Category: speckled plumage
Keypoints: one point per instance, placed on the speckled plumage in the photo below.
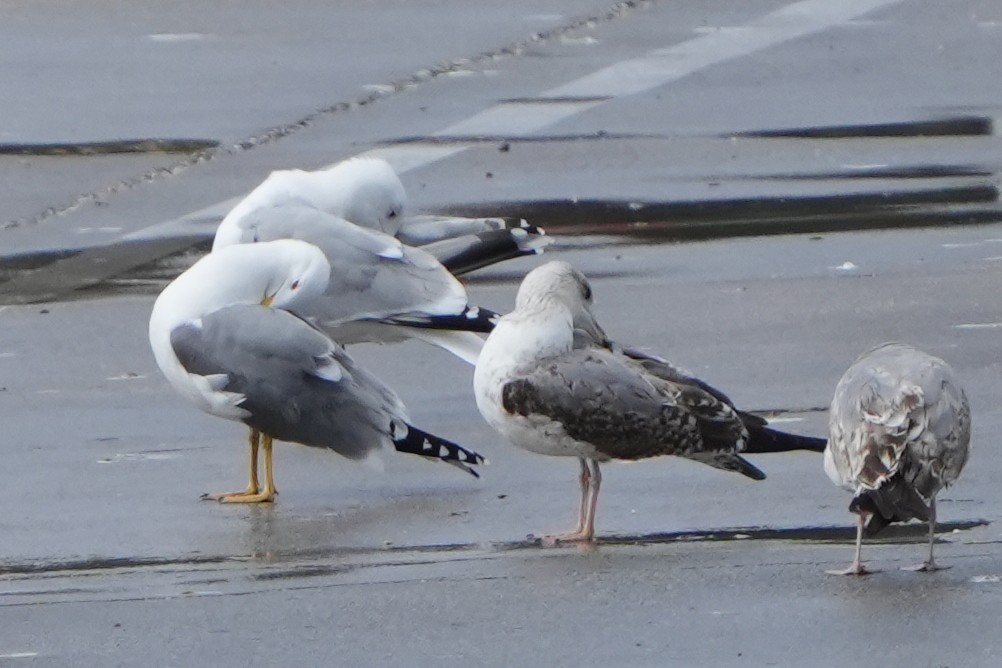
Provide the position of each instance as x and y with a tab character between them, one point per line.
608	401
544	394
900	428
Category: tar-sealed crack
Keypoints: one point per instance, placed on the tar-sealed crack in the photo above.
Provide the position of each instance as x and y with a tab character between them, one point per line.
420	77
407	554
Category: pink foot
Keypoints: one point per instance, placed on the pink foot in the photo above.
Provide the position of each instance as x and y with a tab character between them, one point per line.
552	540
853	569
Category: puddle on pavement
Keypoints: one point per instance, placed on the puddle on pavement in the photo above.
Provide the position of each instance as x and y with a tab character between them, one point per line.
145	266
953	126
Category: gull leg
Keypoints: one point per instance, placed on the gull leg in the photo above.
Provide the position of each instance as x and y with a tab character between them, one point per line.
596	484
268	494
590	479
252	487
856	567
930	564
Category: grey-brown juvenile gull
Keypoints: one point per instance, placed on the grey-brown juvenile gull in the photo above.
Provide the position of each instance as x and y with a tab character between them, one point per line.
900	428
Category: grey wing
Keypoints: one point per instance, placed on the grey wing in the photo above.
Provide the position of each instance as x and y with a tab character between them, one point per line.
428	229
373	275
297	384
898	410
608	401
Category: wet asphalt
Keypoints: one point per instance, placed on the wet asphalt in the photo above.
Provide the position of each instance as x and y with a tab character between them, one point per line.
761	193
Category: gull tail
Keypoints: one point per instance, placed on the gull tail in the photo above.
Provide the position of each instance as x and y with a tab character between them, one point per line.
764	439
462	255
417	442
893	501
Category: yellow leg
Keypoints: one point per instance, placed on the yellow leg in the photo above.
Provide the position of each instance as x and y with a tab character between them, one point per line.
252	493
266	495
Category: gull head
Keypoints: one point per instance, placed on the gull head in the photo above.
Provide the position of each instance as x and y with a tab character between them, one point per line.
281	274
278	273
371	194
559	284
301	272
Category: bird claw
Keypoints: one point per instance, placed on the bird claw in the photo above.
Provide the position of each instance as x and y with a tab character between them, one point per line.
246	496
553	540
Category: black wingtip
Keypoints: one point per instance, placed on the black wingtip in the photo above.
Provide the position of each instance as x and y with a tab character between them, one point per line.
423	444
765	439
472	319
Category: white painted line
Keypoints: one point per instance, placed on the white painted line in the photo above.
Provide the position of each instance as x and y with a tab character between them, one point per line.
971	244
662	66
979	325
517	118
19	655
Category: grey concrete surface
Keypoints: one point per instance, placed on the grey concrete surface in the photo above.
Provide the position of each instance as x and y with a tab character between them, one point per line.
108	558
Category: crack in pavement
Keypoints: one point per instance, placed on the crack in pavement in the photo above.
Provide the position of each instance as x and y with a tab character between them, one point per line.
419	77
909	533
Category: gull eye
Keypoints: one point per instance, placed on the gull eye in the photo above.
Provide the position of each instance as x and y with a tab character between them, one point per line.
586	292
295	284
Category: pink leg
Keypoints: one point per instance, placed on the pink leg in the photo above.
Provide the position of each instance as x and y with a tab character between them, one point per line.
856	567
590	479
930	564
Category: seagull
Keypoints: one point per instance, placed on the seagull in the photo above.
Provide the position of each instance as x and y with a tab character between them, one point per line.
223	335
367	192
544	389
379	290
899	429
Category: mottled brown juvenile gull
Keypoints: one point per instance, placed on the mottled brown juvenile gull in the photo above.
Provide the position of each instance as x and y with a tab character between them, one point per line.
221	337
597	404
900	427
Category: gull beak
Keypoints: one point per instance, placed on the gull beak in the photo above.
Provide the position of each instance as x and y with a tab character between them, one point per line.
268	299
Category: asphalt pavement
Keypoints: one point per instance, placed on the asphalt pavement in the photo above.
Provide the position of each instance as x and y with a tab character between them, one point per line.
758	191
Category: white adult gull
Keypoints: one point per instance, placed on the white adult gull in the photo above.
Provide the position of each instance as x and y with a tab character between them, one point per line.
379	290
546	396
223	340
368	193
900	429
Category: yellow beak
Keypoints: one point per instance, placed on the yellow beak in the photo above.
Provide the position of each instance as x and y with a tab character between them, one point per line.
267	299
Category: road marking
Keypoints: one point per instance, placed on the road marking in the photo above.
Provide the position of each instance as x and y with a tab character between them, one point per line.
19	655
637	75
979	325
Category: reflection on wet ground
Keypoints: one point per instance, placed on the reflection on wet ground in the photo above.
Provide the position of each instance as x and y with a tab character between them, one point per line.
144	265
899	534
